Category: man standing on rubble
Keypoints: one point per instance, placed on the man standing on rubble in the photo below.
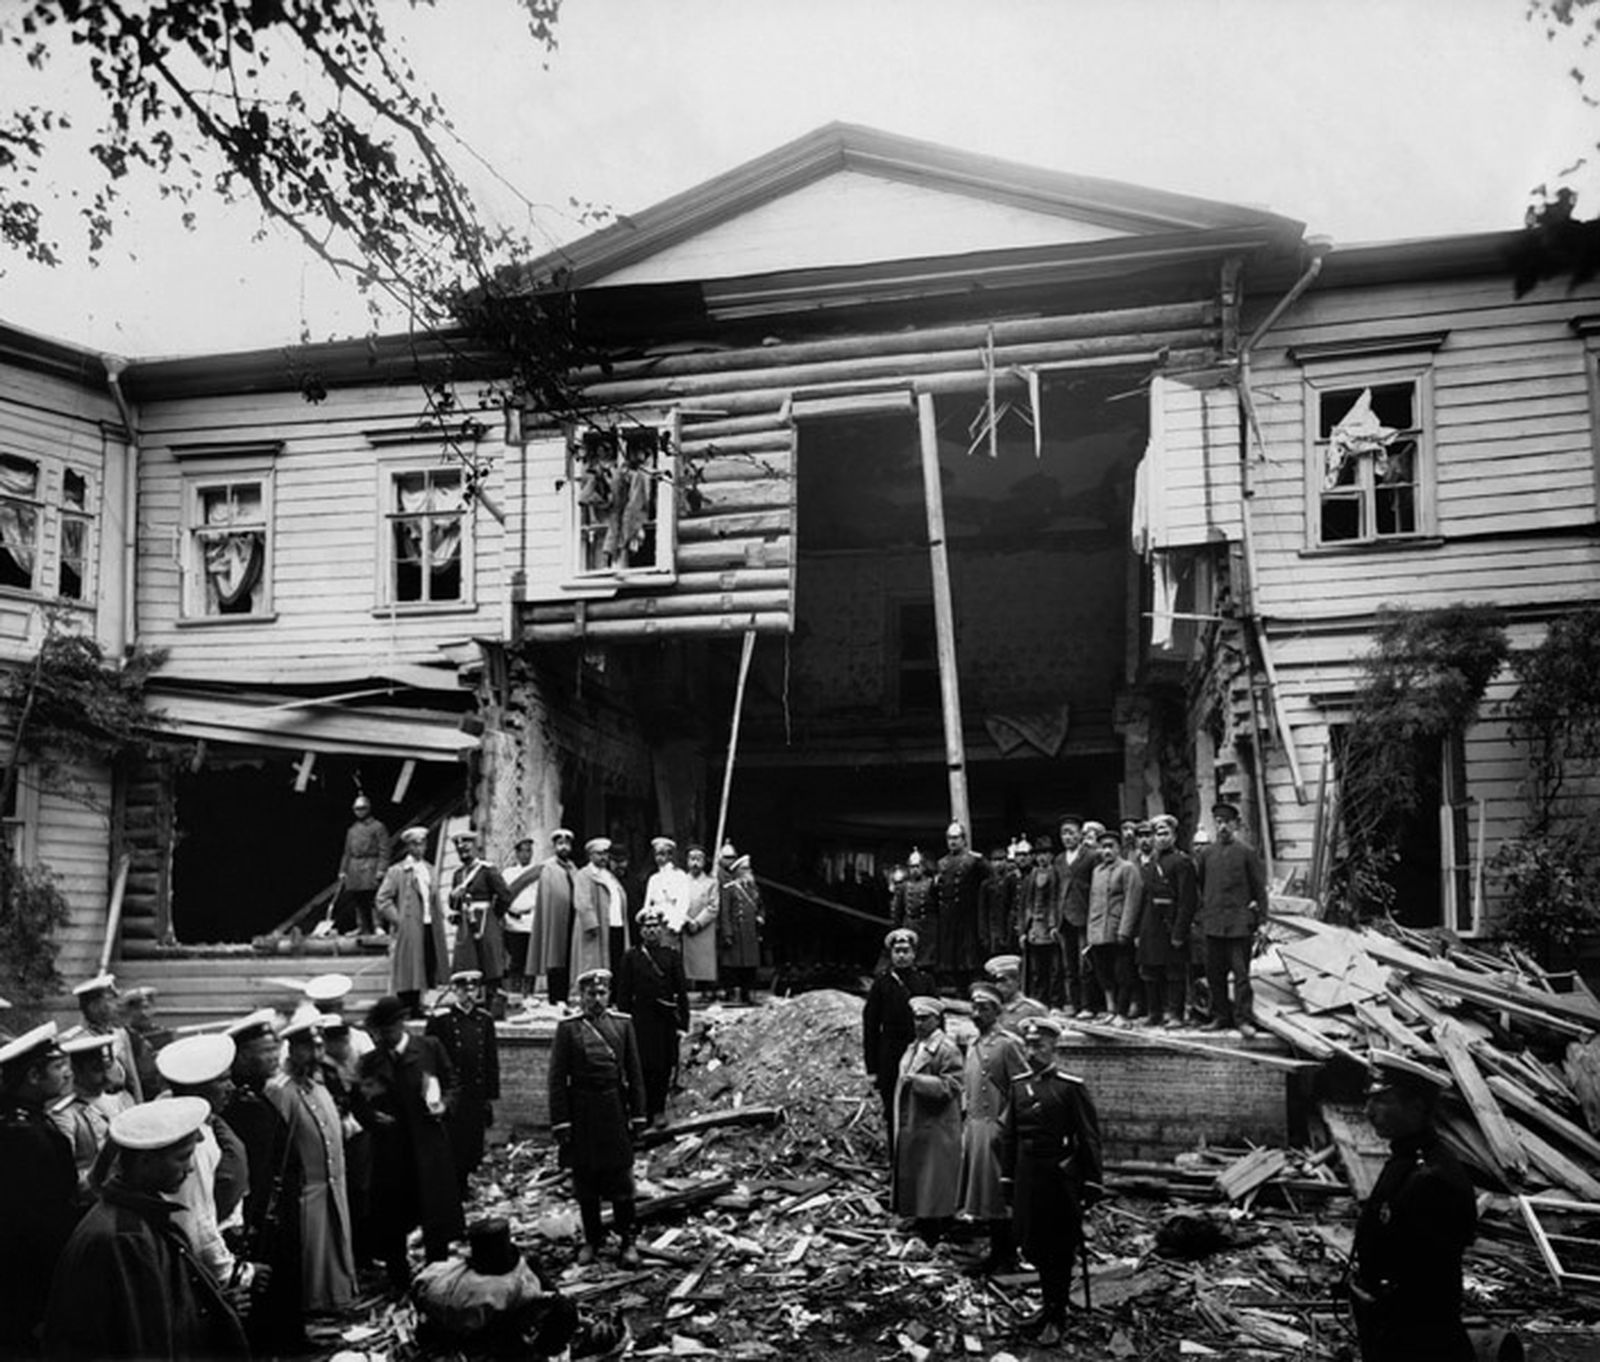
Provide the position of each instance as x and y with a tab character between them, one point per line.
1405	1286
994	1059
887	1027
1050	1170
1233	905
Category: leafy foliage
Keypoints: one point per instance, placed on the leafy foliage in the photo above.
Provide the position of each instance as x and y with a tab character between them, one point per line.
1423	682
32	912
1551	874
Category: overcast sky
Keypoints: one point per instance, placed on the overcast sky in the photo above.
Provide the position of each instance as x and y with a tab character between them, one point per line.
1366	119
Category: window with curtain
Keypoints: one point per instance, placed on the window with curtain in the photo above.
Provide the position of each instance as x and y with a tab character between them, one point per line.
73	536
19	521
625	521
228	550
426	527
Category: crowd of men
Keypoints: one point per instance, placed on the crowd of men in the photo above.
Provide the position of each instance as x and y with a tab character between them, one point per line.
554	919
210	1193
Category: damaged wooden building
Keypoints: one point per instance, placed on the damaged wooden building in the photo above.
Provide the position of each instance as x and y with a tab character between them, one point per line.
909	483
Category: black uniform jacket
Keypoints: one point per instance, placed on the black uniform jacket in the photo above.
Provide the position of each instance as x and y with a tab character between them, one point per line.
38	1208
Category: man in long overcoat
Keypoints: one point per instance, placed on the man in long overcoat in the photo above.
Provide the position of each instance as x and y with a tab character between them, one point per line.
128	1284
601	936
1074	868
407	1085
927	1138
1233	905
550	948
739	923
699	936
361	866
957	884
316	1134
466	1030
994	1058
1050	1167
1170	895
419	952
38	1183
478	903
597	1111
887	1025
652	990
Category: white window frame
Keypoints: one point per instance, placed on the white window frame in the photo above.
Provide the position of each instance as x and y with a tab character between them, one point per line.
214	476
387	601
23	822
39	504
89	517
662	569
1377	363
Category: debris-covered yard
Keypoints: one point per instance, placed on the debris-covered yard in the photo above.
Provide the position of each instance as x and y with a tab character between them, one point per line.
766	1230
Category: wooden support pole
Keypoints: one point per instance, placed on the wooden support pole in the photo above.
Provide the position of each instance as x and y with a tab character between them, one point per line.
119	891
733	735
944	618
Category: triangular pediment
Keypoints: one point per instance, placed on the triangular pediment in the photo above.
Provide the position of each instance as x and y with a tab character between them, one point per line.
846	196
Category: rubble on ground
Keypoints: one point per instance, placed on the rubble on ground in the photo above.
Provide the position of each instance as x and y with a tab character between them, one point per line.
774	1237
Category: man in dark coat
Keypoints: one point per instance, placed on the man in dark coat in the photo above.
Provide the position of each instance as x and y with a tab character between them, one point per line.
1170	897
38	1181
1405	1285
1233	905
478	903
466	1030
887	1025
597	1107
1050	1169
361	866
406	1087
651	989
1074	868
957	884
128	1284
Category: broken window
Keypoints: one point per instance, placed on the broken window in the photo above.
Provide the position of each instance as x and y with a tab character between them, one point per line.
1367	460
19	521
227	574
625	512
72	565
427	524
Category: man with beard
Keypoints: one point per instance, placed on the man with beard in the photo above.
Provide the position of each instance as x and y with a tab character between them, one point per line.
652	990
956	885
595	883
994	1059
597	1107
478	903
550	946
912	908
327	1258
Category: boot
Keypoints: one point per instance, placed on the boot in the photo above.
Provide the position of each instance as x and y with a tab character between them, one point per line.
628	1255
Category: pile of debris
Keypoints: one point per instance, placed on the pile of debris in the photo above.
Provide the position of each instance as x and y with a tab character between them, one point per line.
767	1231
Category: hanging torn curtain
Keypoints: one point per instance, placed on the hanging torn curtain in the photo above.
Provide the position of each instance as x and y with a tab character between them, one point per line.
19	520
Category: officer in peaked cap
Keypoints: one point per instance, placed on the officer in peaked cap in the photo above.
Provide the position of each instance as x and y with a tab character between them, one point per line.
127	1283
1050	1166
38	1182
1005	973
97	1000
1405	1284
466	1030
84	1115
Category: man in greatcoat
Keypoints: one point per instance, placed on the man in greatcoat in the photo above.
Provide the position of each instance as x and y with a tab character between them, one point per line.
651	989
419	951
1050	1166
597	1107
127	1283
996	903
927	1136
1170	895
1074	868
361	865
994	1058
467	1032
550	948
38	1183
1233	905
1005	973
887	1026
596	885
407	1085
1405	1284
739	923
1114	910
478	903
699	925
316	1134
957	883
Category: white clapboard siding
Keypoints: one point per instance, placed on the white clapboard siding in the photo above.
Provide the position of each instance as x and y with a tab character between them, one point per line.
326	533
1201	486
70	839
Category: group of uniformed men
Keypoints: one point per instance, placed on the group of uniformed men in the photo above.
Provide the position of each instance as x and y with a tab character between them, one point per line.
1118	925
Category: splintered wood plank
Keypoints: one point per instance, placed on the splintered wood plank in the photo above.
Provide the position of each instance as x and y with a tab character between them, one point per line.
1557	1167
1529	1107
1461	1134
1285	1026
1243	1176
1502	1139
1380	1018
1361	1152
1502	993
